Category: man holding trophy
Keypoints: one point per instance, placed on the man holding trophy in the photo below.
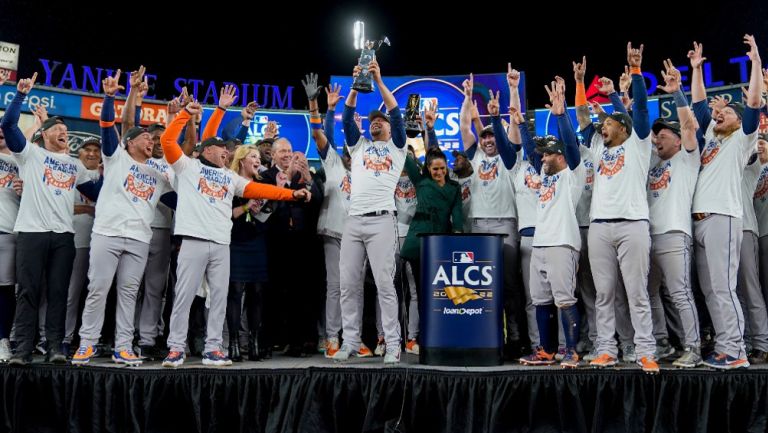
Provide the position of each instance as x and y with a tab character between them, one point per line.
371	228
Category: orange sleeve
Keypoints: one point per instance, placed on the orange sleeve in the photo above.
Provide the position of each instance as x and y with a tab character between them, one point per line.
635	70
581	94
168	139
260	190
212	127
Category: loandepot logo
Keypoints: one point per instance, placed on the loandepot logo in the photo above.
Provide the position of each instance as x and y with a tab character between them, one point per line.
462	311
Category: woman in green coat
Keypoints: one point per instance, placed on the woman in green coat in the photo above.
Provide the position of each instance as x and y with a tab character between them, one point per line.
439	205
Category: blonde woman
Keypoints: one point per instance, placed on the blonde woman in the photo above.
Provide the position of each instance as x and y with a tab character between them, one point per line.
248	252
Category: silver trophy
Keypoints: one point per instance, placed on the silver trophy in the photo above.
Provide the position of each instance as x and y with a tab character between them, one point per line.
363	83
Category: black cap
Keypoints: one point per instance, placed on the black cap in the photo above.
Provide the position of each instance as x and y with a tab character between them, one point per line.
549	144
233	143
457	153
213	141
487	130
623	119
660	124
738	108
92	141
156	127
763	136
51	122
134	132
269	141
377	113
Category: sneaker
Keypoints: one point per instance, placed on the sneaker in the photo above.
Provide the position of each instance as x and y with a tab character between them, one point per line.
381	347
41	347
570	359
364	352
321	345
392	356
648	364
628	354
331	347
757	356
84	355
539	357
66	349
664	349
689	359
722	361
592	355
20	359
126	357
342	354
216	358
560	354
5	350
53	356
174	359
412	346
151	353
603	360
584	345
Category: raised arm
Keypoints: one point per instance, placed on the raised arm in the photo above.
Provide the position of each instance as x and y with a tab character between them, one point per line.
109	138
41	115
582	108
430	117
397	123
606	87
256	190
128	117
751	119
508	156
351	131
641	122
14	138
227	97
557	108
465	118
513	81
169	138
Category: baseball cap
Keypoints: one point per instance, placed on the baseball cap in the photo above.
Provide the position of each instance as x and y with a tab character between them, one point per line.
457	153
93	141
51	122
134	132
623	119
269	141
155	127
660	124
487	130
377	113
738	108
212	141
763	136
549	144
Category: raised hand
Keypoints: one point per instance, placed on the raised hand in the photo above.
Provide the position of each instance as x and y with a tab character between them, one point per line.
111	85
556	96
357	70
605	86
194	108
430	114
625	81
626	101
184	98
227	96
375	71
671	78
513	77
580	70
311	87
174	106
694	55
249	111
516	116
270	131
26	84
753	54
634	56
143	88
493	104
596	108
41	114
137	77
358	121
468	85
475	112
332	92
716	104
4	76
765	80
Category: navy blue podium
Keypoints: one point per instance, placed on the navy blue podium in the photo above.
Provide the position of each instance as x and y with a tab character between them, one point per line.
461	299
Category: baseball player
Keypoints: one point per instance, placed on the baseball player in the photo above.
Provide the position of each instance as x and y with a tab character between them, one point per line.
371	227
729	139
9	207
90	155
556	242
760	201
618	233
203	217
492	209
121	232
675	157
44	225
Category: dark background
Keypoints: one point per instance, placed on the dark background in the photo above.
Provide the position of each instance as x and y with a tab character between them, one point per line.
277	42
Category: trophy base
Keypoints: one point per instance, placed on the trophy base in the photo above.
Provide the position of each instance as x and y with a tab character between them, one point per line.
412	133
363	88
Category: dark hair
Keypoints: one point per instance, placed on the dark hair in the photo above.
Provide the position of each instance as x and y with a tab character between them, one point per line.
433	153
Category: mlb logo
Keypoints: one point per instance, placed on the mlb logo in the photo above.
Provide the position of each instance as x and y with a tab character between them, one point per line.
463	257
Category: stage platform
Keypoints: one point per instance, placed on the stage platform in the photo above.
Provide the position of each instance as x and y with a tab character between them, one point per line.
315	395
